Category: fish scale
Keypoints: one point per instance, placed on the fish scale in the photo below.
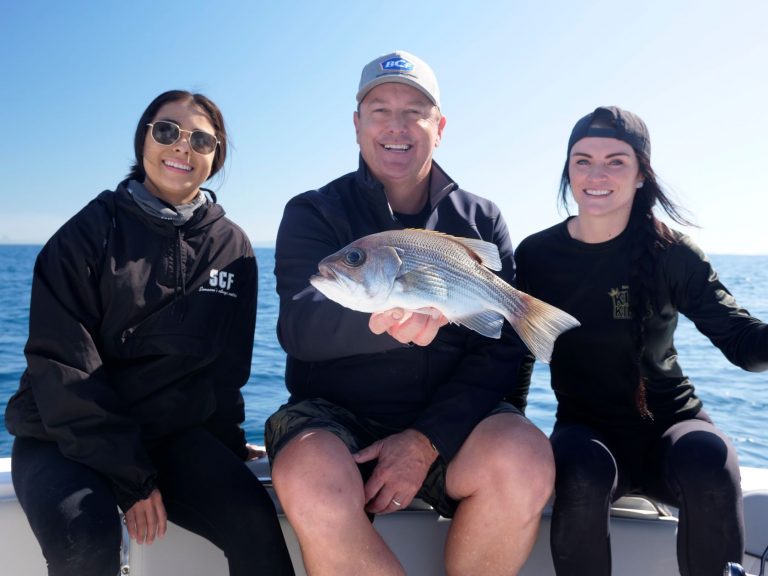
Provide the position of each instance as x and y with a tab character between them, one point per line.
459	278
414	269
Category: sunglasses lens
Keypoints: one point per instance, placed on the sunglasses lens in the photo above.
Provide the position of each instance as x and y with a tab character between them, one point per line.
202	142
165	133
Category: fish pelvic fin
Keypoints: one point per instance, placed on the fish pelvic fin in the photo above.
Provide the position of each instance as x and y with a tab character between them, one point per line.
488	323
540	325
308	291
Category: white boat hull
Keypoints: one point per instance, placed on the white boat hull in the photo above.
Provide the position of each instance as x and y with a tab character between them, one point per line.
642	536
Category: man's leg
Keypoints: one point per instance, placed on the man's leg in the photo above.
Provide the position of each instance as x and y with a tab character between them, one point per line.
321	491
502	477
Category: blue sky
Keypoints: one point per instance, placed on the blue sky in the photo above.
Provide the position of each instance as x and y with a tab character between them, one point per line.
514	78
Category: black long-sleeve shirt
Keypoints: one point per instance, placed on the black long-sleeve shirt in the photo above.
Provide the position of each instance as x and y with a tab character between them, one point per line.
591	368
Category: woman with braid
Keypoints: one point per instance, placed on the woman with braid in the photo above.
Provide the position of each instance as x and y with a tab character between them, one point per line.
628	418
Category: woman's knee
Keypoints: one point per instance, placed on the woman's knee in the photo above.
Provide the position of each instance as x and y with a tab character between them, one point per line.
71	509
80	537
704	461
585	467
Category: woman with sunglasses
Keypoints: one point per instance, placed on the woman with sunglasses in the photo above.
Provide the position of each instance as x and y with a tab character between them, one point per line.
141	331
628	419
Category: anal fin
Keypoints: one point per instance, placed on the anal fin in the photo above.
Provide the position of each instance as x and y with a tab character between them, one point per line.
488	323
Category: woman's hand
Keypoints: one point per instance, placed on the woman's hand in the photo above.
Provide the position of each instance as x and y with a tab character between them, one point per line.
147	520
255	452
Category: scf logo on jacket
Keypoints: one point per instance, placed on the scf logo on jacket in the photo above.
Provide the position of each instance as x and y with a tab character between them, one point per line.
220	282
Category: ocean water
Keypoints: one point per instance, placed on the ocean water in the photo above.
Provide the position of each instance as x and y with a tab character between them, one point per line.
736	400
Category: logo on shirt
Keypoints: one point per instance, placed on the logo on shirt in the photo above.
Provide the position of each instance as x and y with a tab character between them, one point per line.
620	301
396	64
220	282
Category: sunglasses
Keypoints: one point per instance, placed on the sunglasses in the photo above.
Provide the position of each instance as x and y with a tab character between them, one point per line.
167	133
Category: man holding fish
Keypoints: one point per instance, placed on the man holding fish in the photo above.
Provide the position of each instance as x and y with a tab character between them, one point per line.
389	401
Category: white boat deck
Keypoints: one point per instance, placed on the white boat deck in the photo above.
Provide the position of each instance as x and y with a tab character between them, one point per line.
416	536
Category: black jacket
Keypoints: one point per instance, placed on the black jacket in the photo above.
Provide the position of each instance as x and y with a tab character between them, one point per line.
442	390
138	329
591	365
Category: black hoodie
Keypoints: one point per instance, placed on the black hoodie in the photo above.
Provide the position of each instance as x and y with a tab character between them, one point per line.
138	329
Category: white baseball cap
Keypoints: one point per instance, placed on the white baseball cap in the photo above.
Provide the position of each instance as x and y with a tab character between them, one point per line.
402	67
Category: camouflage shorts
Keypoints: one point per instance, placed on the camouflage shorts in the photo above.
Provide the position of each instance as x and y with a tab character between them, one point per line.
356	432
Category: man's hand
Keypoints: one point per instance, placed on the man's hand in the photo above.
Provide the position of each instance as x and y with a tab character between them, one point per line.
147	519
403	462
406	326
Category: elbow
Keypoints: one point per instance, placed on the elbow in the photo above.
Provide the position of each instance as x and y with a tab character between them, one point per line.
296	343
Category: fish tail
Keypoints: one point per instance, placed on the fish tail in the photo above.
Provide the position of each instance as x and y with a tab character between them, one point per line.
540	324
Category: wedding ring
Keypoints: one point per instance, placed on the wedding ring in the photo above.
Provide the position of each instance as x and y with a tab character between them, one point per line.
396	503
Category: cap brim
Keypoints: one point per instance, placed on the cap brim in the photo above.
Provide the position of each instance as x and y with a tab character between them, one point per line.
398	79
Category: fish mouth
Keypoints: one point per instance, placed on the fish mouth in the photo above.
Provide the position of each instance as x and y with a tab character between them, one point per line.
326	272
326	278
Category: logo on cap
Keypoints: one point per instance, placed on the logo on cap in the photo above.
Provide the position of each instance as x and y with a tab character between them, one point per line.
396	64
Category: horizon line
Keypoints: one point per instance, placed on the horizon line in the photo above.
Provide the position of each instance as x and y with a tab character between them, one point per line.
271	244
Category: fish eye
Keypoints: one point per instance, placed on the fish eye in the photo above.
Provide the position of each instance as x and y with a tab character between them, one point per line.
354	258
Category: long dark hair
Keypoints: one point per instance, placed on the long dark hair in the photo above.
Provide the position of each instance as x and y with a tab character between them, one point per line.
214	115
648	237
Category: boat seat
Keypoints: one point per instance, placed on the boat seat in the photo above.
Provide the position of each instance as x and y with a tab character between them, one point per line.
756	517
411	532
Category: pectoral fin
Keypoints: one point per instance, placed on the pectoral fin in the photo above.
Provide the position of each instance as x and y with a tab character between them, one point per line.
426	281
388	267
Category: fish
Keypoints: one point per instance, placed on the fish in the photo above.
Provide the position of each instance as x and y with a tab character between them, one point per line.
415	269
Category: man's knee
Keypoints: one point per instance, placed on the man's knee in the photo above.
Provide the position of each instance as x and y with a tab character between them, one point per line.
315	474
511	459
521	451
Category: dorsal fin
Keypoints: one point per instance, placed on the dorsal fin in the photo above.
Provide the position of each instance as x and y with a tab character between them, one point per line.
486	253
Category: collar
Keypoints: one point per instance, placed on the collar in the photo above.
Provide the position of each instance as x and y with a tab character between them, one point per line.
440	185
154	206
